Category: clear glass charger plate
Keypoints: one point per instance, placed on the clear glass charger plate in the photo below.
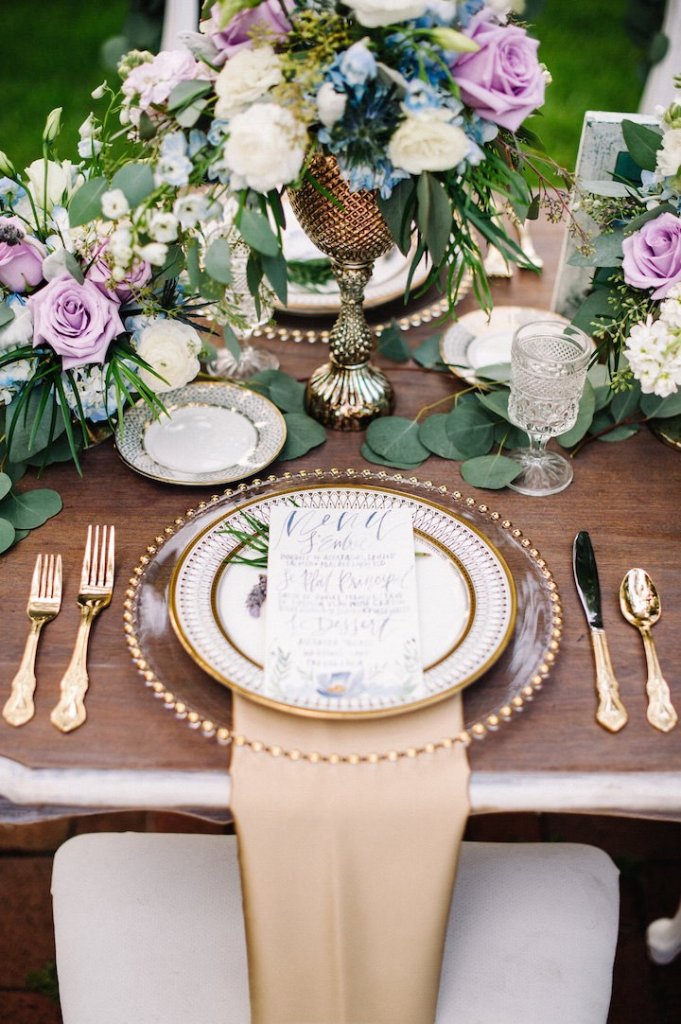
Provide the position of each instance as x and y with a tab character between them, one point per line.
185	690
466	604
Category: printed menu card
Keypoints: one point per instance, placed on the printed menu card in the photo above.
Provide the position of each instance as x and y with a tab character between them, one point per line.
342	613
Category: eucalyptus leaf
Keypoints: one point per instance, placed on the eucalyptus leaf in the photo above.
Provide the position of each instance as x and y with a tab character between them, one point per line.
5	484
20	535
187	91
585	415
30	509
433	434
428	355
606	251
231	342
594	311
15	470
398	211
498	373
496	402
136	182
188	117
286	392
302	434
58	451
621	433
509	436
626	403
434	215
392	343
276	272
396	438
367	452
661	408
217	261
599	375
255	230
7	535
603	396
490	471
469	428
86	203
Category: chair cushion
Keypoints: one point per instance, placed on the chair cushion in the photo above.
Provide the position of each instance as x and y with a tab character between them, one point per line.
149	929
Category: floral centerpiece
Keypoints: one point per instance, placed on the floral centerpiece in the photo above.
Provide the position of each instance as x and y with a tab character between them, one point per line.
92	314
634	306
420	100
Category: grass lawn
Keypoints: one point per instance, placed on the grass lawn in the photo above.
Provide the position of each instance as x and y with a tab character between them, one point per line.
54	61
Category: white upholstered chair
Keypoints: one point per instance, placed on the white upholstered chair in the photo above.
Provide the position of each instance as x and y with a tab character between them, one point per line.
149	929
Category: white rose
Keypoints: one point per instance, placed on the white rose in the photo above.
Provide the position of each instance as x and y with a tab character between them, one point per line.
427	143
669	154
246	76
115	204
372	13
61	182
265	148
171	349
18	331
330	104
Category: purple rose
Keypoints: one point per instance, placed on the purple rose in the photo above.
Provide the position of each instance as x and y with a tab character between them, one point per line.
21	256
652	255
77	320
99	272
503	80
267	18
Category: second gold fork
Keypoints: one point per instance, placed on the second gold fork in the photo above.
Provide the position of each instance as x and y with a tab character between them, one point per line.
96	588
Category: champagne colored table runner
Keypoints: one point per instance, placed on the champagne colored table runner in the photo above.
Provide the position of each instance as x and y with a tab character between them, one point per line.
347	869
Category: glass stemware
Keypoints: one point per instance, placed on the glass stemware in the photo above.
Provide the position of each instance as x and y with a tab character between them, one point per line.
549	361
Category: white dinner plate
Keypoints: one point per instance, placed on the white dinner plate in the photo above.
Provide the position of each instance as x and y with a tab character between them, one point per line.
465	590
213	433
388	280
478	341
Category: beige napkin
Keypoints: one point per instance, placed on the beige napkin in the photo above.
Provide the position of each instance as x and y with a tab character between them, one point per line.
347	870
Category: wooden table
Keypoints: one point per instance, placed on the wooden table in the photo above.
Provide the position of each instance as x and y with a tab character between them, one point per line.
133	753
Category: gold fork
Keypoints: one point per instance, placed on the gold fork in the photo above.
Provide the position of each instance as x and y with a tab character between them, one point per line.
44	603
96	587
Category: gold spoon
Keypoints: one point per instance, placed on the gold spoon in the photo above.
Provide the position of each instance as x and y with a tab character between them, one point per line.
640	604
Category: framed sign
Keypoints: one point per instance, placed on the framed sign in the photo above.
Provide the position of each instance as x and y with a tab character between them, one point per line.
601	145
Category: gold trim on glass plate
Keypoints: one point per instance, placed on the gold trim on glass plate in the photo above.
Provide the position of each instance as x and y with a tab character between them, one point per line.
225	735
259	698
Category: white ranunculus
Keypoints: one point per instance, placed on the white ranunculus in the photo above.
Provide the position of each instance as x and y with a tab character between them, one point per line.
372	13
669	154
265	148
330	104
245	78
171	349
427	143
62	181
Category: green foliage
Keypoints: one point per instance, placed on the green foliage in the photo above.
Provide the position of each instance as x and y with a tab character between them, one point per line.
394	437
302	435
492	472
136	182
392	343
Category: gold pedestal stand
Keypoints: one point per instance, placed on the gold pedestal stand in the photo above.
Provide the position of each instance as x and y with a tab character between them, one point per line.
347	392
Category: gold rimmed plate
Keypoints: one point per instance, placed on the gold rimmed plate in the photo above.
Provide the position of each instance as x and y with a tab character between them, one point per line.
477	347
213	433
465	589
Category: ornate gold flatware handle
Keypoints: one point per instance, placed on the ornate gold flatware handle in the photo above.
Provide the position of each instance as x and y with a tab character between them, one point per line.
19	707
70	711
661	713
611	713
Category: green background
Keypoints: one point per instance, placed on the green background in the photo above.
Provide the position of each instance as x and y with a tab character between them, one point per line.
55	60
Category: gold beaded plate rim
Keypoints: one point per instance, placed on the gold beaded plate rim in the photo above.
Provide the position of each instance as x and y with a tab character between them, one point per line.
496	648
488	722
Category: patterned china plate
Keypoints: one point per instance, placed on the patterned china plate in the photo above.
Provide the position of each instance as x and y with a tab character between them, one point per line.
466	598
480	340
214	433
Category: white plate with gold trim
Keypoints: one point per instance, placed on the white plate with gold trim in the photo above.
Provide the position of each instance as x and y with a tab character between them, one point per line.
388	281
213	433
466	599
479	341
